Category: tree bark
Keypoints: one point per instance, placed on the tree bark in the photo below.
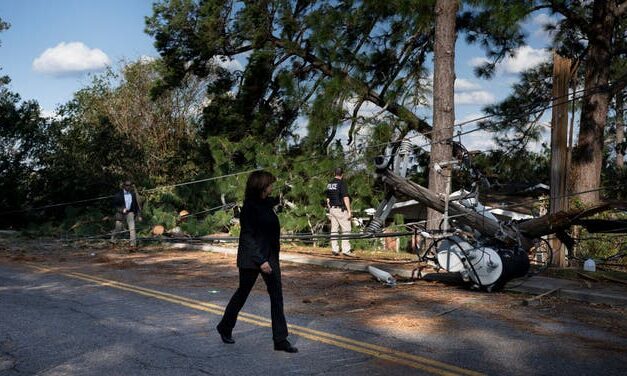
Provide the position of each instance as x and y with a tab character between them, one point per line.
443	99
588	154
620	130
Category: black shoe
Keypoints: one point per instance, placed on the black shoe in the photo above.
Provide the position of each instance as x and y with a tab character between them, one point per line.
285	346
226	338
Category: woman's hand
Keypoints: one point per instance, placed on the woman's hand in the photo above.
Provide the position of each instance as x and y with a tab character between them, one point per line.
265	268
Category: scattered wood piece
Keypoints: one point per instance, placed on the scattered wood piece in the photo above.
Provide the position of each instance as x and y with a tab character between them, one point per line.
615	280
585	276
355	310
447	312
526	302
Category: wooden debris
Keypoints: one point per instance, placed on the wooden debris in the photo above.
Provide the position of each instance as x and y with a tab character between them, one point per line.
526	302
585	276
355	310
622	281
447	311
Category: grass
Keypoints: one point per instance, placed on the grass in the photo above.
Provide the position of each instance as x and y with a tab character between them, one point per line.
571	273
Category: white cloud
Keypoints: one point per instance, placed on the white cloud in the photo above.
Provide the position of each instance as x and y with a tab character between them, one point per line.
70	59
367	109
479	140
476	61
479	97
227	63
475	140
51	114
145	59
539	23
542	19
469	121
525	57
462	84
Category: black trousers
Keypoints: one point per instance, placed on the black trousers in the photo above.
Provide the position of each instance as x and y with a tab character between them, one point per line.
247	279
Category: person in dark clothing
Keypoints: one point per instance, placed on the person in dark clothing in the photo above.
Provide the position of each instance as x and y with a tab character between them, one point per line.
339	206
258	252
127	210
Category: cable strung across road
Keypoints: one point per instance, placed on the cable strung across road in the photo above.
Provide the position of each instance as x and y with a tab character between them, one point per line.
588	92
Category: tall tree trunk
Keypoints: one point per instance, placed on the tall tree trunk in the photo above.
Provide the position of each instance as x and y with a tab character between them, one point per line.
588	154
443	98
620	129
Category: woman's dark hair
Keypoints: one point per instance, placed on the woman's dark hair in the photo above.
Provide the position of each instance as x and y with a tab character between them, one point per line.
257	182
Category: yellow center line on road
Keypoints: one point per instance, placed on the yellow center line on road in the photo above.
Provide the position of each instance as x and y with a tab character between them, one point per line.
418	362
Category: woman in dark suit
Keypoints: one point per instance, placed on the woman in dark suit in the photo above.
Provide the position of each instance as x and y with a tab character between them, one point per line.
258	252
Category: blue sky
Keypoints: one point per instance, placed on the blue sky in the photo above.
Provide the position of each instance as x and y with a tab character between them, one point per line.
52	45
115	27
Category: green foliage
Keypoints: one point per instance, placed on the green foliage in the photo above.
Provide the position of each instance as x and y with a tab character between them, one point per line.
495	26
366	244
616	180
516	121
186	117
22	143
601	246
591	34
81	222
220	221
217	222
163	217
501	168
309	58
4	80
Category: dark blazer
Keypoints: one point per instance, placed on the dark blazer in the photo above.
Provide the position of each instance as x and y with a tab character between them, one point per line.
119	204
259	235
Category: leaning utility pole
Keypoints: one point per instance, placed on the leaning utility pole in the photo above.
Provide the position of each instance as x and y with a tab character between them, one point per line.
559	148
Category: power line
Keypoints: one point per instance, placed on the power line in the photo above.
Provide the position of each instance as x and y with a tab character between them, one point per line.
591	91
141	191
329	236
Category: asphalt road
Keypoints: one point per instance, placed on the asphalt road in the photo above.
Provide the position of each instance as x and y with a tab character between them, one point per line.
70	323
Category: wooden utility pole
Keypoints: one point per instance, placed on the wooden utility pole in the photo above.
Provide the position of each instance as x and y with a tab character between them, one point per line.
559	148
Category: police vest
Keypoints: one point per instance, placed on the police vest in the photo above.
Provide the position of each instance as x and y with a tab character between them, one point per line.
336	191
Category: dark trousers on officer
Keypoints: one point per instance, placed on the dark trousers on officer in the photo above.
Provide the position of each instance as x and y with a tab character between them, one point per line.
247	279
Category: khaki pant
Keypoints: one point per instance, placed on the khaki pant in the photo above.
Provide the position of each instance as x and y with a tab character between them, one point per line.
339	219
119	226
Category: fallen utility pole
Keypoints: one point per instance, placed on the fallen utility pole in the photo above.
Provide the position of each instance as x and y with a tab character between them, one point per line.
477	221
509	233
